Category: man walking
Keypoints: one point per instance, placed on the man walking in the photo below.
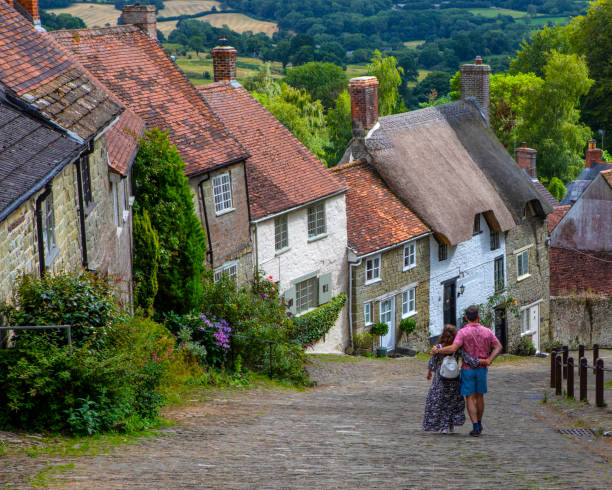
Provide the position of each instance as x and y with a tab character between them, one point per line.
477	341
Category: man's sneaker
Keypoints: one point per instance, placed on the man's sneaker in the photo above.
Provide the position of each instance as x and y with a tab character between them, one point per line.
475	433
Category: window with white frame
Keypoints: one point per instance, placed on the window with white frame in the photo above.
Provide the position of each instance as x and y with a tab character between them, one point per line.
316	220
281	233
409	302
115	199
306	294
222	192
367	313
522	264
372	269
410	256
525	320
48	226
230	269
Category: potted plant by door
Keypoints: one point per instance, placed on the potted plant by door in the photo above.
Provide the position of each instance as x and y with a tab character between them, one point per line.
407	326
380	330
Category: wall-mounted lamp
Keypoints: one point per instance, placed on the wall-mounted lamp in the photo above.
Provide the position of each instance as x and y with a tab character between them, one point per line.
461	290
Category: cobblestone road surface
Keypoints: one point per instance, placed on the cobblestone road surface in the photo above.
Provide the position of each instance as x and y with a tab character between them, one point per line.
360	428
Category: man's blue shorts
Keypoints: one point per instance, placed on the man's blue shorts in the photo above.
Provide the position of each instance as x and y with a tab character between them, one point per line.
473	381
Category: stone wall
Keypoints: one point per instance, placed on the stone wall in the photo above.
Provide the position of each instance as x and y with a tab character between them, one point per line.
393	280
581	320
532	231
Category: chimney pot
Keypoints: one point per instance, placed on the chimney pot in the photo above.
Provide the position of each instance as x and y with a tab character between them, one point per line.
593	154
364	102
224	62
526	158
143	16
475	83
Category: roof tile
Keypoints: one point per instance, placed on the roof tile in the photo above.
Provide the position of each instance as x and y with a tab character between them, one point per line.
556	216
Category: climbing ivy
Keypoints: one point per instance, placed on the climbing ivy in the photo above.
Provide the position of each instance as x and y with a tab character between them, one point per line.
312	326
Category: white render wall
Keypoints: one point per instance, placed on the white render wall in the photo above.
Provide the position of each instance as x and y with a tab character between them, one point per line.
325	255
473	261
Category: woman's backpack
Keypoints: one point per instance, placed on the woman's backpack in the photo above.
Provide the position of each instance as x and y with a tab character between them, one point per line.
449	369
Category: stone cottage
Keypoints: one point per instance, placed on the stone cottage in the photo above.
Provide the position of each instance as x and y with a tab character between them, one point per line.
388	258
447	166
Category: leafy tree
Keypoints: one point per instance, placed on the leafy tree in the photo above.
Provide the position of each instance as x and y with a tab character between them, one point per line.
556	188
339	127
389	80
437	82
323	81
146	261
162	189
532	55
53	22
303	55
262	82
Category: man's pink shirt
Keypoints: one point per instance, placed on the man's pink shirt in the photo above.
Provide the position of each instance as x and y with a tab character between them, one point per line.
476	340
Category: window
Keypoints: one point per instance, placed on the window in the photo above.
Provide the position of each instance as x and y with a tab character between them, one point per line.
525	320
281	233
306	295
86	181
494	240
522	264
477	229
222	192
48	227
442	252
229	268
367	313
316	220
373	269
408	302
116	211
499	273
409	256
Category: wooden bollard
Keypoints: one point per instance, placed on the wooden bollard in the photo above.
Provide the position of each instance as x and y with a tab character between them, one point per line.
553	367
595	357
583	379
570	377
599	382
580	352
558	375
565	356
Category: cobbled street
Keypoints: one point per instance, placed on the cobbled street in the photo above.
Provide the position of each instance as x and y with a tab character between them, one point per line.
359	428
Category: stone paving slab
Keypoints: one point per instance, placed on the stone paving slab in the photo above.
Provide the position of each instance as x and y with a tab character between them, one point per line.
360	428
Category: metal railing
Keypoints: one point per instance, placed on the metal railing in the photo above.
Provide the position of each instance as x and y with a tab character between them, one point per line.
562	367
68	328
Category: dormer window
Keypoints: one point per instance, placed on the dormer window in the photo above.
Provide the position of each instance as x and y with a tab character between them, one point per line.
477	229
442	252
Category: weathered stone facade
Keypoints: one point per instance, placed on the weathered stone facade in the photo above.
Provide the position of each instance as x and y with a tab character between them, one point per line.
228	232
533	289
394	280
581	320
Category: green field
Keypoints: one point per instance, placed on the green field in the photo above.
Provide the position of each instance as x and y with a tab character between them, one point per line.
545	20
413	44
494	12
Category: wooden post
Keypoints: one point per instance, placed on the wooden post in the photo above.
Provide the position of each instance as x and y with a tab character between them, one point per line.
565	356
553	367
583	379
558	375
580	352
570	377
595	356
599	382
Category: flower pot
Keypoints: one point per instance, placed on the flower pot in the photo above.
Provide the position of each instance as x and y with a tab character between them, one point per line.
381	352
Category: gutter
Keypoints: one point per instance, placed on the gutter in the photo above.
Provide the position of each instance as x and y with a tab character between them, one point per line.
381	250
81	214
217	167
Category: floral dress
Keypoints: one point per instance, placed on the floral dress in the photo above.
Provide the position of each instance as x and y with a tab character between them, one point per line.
445	406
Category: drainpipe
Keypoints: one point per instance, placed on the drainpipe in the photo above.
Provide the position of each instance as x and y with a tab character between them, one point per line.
351	265
82	214
39	224
209	252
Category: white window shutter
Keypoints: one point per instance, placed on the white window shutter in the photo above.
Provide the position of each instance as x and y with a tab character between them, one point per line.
290	300
325	288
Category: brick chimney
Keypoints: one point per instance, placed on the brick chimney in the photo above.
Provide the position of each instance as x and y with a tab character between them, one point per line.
143	16
526	158
593	154
30	10
224	62
475	83
364	102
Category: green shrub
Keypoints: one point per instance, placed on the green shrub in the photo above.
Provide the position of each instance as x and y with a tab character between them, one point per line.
525	348
146	261
362	342
311	327
408	325
379	329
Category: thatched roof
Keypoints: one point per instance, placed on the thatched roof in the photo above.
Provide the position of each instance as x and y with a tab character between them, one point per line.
448	166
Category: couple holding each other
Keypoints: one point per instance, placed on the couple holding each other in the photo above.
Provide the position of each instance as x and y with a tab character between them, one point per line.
445	407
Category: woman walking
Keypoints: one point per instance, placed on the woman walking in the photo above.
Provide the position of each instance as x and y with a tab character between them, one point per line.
445	407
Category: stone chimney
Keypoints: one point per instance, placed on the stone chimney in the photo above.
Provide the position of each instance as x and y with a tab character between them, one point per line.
526	158
224	62
143	16
30	10
475	83
593	154
364	103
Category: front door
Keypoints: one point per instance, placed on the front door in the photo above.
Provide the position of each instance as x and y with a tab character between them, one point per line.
450	303
387	315
534	326
500	327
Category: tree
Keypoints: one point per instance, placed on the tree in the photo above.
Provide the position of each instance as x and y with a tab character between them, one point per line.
389	80
53	22
556	188
323	81
146	261
339	127
532	55
438	81
162	189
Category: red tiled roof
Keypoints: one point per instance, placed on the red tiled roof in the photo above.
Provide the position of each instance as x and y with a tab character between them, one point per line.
122	141
281	172
575	272
556	216
607	175
137	70
38	71
376	217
